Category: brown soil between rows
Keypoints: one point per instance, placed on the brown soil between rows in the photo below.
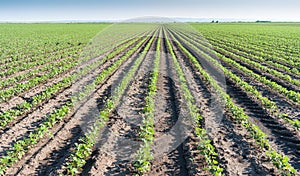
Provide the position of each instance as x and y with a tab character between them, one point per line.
117	146
279	136
18	129
239	154
48	155
269	76
41	87
284	104
40	55
243	51
168	144
30	122
17	122
38	67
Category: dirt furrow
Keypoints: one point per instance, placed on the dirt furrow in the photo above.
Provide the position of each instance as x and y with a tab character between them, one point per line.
41	87
269	76
30	122
66	49
284	105
48	155
171	148
79	84
244	52
239	155
22	126
38	67
280	137
119	141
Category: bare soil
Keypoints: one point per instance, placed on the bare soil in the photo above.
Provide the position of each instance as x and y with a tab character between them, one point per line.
175	147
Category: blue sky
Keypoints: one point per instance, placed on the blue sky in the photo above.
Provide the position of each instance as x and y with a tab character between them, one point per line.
52	10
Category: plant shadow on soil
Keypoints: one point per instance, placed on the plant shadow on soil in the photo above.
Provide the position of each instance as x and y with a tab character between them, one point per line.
104	138
243	148
240	145
281	135
58	157
123	153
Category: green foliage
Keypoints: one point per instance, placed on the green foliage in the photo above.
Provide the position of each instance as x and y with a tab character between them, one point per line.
280	161
205	147
84	149
146	134
269	105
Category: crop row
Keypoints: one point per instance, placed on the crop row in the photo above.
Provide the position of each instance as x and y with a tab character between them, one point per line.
19	41
269	54
268	41
280	161
92	49
269	105
260	67
256	56
84	149
21	146
146	132
20	65
205	145
223	49
19	88
289	94
54	72
25	107
32	73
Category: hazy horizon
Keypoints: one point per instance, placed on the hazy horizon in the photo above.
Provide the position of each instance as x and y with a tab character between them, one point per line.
118	10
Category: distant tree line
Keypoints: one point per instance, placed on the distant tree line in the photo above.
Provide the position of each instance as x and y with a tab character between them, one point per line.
258	21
